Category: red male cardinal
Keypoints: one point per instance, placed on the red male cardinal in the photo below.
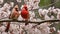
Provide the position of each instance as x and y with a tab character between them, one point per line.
14	15
25	13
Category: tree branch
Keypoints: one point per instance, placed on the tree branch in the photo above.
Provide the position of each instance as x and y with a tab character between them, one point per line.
10	20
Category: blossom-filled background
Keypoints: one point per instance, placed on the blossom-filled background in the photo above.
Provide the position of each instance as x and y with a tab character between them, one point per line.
29	10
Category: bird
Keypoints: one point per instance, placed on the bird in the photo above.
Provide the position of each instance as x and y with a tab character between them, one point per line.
25	13
14	15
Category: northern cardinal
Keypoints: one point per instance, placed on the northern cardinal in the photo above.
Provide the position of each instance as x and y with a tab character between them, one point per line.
25	13
15	14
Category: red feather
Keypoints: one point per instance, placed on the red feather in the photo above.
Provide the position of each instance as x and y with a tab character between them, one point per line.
25	14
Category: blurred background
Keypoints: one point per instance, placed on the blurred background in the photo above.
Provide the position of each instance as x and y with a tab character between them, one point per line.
48	2
43	4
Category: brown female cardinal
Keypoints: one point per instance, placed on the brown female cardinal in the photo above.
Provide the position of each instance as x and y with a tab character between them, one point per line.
14	15
25	13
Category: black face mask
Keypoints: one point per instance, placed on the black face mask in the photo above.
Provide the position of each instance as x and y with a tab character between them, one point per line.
16	9
26	8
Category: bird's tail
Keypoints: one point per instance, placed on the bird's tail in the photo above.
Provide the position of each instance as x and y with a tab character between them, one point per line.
26	22
7	28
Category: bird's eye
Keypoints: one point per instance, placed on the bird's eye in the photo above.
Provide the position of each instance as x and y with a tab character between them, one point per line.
16	9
